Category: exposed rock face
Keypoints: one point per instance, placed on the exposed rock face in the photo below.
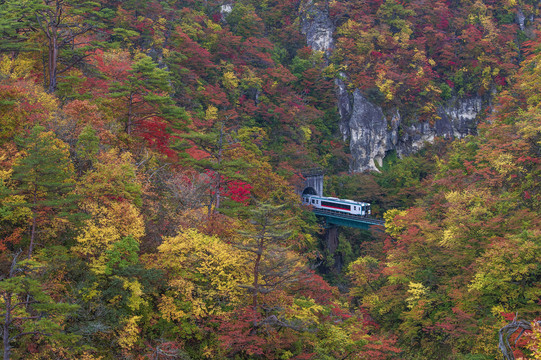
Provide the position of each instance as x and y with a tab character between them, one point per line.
368	133
317	26
520	19
344	106
226	9
371	134
526	23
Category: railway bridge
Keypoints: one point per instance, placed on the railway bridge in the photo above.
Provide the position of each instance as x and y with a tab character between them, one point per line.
313	185
334	220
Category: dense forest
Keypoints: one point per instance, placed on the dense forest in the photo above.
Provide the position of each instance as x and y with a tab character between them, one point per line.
150	157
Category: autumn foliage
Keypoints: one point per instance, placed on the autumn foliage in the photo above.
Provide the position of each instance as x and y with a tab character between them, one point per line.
150	152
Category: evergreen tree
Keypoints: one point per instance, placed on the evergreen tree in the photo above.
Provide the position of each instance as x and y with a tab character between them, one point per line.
87	148
271	265
145	96
45	179
216	143
15	24
61	22
27	310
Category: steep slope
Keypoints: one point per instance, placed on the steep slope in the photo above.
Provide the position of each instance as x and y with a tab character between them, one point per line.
413	71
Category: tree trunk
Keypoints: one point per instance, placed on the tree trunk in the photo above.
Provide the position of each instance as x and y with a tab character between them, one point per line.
5	329
7	305
256	278
257	263
130	111
218	175
507	331
53	61
33	231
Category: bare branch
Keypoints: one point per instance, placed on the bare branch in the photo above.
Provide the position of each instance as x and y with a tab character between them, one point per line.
28	333
507	331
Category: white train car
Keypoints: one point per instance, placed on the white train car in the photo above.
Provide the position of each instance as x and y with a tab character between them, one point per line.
335	204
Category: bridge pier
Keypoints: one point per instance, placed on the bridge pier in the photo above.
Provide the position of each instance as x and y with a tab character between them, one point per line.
331	243
332	220
331	239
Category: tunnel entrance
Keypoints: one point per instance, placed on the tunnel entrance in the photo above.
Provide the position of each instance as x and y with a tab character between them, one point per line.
309	191
312	184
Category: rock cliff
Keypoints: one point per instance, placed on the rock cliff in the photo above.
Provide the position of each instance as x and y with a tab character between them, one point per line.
317	26
370	133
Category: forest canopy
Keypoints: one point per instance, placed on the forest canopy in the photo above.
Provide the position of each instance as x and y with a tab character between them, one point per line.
151	154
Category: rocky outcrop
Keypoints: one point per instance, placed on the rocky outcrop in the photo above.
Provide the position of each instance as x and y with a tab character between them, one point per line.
344	104
371	133
226	9
526	23
317	26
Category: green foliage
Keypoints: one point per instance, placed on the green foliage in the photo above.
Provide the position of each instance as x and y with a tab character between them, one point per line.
144	94
244	20
462	217
271	265
87	145
60	23
113	178
299	66
416	55
123	254
44	180
507	273
463	255
28	309
15	20
45	168
217	146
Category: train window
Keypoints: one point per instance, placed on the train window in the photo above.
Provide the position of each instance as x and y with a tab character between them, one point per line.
335	205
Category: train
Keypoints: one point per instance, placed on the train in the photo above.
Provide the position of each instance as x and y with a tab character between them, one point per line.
335	204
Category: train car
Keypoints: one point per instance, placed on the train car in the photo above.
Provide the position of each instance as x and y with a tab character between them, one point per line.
335	204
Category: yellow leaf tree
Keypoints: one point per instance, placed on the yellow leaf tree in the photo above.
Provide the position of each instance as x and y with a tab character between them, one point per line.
204	275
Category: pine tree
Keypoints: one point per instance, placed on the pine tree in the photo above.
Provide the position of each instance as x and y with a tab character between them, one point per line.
145	96
61	22
216	143
45	178
87	148
272	265
27	310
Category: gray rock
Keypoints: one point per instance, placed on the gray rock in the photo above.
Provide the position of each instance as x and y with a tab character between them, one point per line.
372	134
226	9
520	19
344	104
369	132
317	26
